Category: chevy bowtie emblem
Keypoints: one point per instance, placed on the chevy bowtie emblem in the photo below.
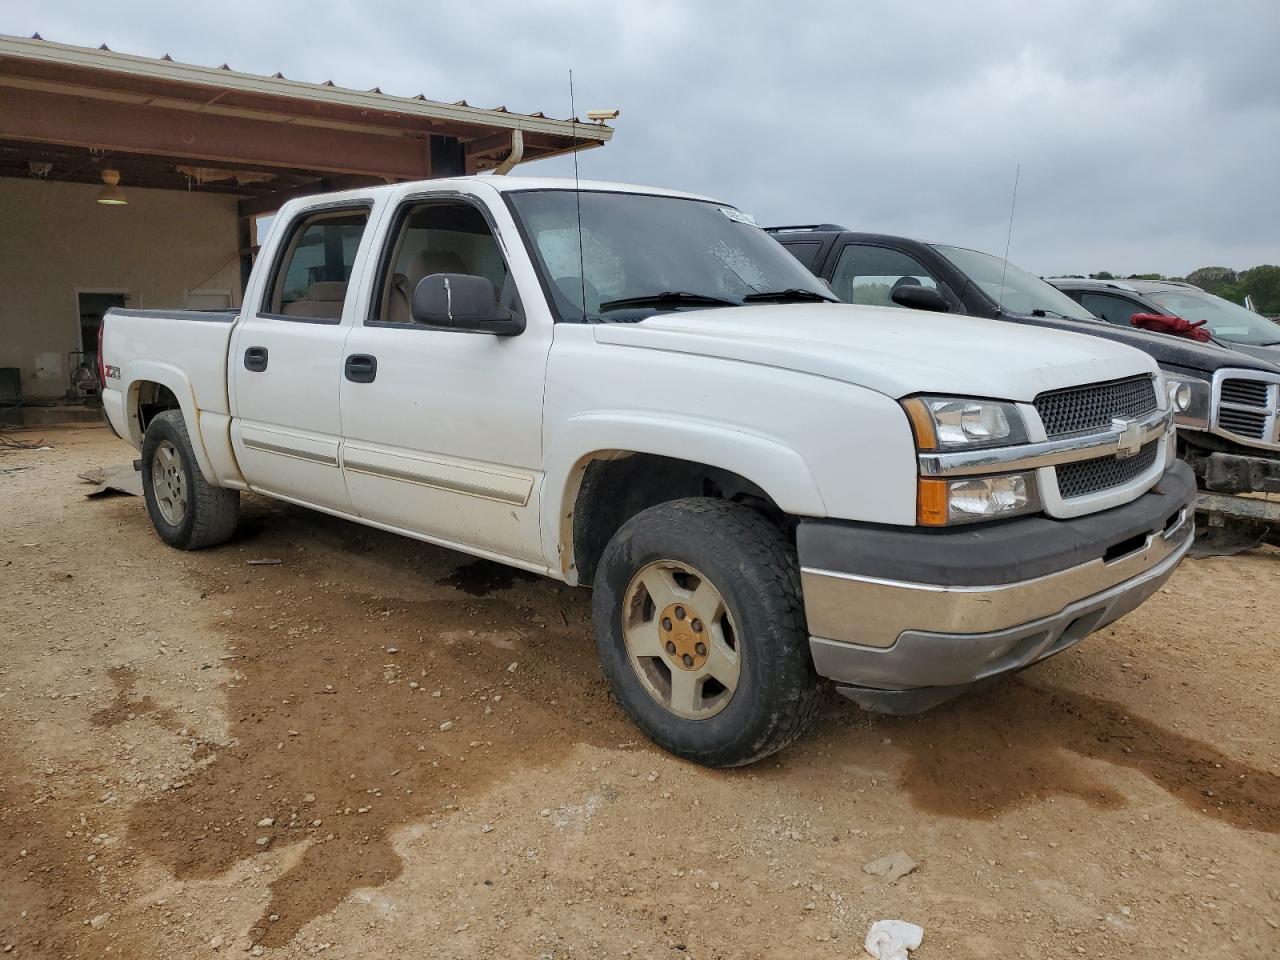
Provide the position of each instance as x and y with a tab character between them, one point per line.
1129	440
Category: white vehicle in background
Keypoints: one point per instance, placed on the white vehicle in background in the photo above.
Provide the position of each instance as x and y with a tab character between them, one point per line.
638	390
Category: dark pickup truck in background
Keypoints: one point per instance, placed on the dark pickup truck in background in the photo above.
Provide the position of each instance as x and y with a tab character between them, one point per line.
1228	324
1227	402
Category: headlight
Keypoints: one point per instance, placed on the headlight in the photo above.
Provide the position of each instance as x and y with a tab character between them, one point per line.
1179	392
961	423
1188	398
942	502
949	423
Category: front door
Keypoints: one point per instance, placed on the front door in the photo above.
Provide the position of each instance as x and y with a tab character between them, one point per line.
443	428
286	361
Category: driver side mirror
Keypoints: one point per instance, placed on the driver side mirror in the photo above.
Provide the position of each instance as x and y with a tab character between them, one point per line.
460	301
920	298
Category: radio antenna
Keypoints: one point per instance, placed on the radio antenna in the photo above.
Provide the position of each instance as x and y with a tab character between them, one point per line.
577	196
1013	205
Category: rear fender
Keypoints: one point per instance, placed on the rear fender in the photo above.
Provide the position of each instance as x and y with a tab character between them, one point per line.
172	378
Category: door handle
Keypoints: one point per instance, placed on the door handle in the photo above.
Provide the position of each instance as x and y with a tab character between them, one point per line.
255	359
361	368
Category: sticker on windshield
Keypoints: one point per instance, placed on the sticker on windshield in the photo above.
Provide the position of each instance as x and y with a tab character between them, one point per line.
737	216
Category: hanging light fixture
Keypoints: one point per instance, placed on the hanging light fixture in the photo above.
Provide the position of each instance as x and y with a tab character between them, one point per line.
111	193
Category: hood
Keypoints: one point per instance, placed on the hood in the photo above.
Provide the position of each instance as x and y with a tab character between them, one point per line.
1269	354
1165	348
892	351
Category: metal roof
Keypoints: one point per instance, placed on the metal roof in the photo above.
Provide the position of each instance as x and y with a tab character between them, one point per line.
37	50
69	113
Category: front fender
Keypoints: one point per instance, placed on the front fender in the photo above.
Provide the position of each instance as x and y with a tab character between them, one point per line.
775	468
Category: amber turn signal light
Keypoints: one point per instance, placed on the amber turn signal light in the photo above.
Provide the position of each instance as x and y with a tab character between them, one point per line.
921	423
931	502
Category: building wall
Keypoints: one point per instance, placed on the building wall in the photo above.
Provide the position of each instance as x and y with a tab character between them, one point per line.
55	241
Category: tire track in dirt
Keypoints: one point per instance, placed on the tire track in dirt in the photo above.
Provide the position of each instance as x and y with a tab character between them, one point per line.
1014	745
352	715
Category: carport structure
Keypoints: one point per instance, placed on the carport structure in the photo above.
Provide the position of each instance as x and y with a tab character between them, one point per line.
198	153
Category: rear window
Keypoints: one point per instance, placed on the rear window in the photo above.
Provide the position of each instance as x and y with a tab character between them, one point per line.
315	266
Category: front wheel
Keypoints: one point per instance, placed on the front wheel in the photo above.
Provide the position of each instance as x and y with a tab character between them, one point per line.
701	632
186	511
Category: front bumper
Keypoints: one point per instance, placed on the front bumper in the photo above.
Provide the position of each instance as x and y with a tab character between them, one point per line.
904	619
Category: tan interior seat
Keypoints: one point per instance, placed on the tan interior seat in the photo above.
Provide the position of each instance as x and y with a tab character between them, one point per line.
422	264
322	300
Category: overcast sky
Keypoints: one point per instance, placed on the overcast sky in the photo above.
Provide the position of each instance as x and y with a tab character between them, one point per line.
1148	132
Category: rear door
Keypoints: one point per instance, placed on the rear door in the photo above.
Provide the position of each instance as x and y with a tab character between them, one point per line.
286	358
443	427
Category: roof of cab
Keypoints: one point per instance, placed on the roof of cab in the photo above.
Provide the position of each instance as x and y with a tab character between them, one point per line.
502	184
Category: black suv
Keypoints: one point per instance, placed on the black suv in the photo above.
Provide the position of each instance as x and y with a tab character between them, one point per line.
1227	403
1230	325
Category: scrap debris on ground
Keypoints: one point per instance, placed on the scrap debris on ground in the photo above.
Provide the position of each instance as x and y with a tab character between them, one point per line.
333	756
118	479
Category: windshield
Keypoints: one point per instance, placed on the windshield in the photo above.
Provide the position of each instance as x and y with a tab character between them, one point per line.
1224	319
676	253
1015	290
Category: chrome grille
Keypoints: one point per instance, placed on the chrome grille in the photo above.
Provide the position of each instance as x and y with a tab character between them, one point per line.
1093	476
1246	423
1090	408
1249	393
1247	407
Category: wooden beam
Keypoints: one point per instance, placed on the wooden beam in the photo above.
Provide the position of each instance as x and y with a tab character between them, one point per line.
497	143
141	181
74	121
269	203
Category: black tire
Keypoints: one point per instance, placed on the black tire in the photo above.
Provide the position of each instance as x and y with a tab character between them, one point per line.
753	566
210	513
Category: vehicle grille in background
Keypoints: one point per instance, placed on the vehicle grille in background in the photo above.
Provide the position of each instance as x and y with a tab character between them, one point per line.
1246	423
1083	409
1092	476
1249	393
1248	409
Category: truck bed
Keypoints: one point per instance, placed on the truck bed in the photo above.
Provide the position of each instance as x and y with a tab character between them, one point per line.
184	350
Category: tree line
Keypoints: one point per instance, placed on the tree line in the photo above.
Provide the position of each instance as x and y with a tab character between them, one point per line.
1261	284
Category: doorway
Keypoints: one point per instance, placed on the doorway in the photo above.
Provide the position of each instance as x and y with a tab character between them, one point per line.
93	306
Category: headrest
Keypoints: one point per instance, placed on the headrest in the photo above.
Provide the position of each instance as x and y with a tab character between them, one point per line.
426	262
327	290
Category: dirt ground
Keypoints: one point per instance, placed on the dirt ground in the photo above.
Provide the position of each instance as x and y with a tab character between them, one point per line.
376	748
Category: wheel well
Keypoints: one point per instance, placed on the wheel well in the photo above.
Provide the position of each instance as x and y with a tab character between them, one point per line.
616	485
153	398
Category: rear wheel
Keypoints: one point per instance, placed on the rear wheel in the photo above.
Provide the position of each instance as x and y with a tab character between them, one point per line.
186	511
701	631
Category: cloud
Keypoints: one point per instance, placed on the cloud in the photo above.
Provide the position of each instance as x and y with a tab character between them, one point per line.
1148	132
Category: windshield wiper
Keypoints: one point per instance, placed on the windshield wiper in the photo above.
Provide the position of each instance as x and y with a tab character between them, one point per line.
673	298
791	293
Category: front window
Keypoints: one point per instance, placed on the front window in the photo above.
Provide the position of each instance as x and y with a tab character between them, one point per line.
1224	319
1117	310
1011	287
870	275
641	253
437	236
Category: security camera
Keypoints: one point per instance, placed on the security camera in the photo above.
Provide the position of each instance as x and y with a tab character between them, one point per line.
600	116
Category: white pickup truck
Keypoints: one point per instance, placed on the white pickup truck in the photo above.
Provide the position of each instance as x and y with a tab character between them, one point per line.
639	390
